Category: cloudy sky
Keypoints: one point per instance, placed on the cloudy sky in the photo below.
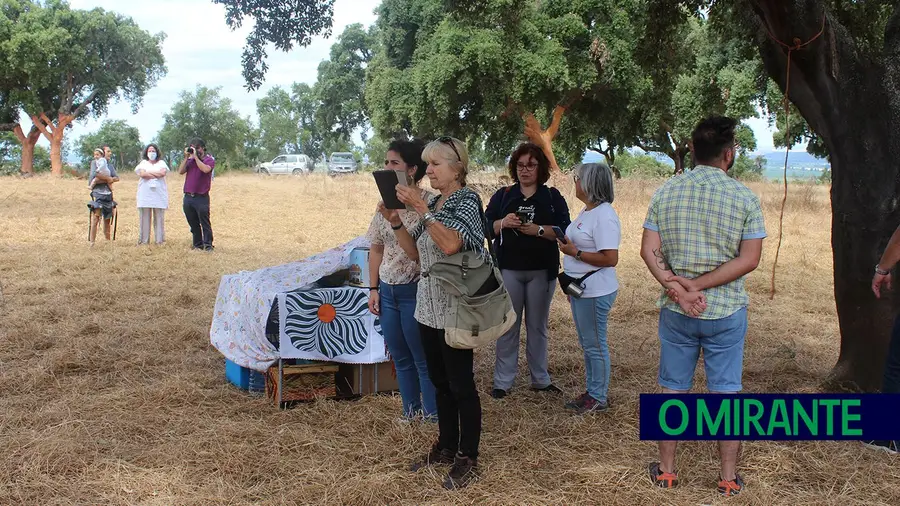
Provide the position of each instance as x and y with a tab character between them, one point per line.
200	49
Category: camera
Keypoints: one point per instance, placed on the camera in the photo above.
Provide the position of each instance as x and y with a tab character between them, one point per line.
524	217
575	289
190	150
571	286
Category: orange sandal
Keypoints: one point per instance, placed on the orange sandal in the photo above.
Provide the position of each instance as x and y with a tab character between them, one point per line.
731	487
661	479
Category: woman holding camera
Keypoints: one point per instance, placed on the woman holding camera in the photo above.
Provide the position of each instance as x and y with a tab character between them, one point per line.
523	216
591	249
394	279
451	222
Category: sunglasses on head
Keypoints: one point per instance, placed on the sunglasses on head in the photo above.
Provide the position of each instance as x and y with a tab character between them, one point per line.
449	141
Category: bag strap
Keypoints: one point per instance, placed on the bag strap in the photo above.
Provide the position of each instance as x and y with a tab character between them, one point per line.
583	278
486	231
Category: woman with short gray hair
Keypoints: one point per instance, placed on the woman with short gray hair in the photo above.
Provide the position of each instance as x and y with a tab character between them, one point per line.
591	249
450	222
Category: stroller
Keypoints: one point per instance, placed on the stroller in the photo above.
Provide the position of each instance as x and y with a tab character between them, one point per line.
108	210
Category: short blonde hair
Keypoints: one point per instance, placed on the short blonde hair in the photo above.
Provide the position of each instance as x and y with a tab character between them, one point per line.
458	155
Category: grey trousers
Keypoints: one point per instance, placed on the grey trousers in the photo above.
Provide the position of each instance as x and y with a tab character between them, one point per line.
533	292
146	215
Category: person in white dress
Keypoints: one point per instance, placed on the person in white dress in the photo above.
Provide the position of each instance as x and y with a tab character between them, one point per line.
152	195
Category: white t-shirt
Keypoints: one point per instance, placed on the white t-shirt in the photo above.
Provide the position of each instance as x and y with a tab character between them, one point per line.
593	231
152	192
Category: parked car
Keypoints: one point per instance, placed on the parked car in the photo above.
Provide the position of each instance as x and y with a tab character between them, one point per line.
287	164
342	163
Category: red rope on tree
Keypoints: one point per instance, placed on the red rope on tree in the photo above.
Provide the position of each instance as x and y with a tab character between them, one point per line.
787	134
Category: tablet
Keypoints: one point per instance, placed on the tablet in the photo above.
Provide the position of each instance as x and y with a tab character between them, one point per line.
387	181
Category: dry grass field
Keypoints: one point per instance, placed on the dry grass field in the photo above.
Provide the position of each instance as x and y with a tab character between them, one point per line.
111	394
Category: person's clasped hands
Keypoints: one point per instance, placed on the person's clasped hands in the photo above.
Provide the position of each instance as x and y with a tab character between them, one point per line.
685	293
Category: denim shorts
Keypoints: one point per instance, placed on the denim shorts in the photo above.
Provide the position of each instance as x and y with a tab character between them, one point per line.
722	341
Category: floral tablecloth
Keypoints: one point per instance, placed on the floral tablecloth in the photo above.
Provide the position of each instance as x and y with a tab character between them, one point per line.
244	300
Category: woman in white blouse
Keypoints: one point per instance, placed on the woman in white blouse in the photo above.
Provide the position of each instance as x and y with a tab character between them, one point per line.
152	195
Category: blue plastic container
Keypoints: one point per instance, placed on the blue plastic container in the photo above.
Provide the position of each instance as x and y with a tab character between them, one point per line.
244	378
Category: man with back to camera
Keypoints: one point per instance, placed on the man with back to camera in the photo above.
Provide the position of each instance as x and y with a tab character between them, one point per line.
704	232
198	166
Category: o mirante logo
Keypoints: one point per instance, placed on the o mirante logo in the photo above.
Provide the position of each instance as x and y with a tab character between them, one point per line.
769	416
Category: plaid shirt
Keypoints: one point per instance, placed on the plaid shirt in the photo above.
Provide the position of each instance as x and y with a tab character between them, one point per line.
702	216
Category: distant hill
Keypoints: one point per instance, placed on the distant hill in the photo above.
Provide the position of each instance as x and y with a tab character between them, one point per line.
796	158
773	158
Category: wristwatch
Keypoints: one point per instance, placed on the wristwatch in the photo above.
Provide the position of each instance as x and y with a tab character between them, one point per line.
540	231
428	217
578	255
881	272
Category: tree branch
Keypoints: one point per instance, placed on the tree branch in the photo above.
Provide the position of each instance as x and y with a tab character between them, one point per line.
511	107
571	97
814	89
557	119
70	91
82	105
64	120
8	127
665	126
31	138
45	129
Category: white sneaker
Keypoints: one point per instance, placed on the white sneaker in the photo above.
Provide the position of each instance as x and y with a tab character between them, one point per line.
883	445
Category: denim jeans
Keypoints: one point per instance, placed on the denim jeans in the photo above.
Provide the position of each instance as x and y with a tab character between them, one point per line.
891	383
722	340
401	334
591	315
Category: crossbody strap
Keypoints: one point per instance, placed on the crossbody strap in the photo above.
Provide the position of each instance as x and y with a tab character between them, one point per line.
583	278
487	231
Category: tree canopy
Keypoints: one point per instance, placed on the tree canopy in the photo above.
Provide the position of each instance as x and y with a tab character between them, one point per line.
64	64
279	125
206	114
123	140
340	87
474	71
283	23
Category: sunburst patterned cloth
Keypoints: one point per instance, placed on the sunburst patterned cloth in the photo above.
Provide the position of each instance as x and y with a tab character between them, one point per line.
244	300
332	324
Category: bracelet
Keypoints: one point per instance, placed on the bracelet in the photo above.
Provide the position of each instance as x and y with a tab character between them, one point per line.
881	272
373	289
429	218
398	227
